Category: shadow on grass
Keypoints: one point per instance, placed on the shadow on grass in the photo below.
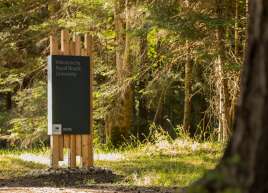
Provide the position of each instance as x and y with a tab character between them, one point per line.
18	173
11	167
62	178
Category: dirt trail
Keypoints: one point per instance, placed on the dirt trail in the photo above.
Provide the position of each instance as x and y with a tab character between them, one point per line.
52	190
93	180
85	190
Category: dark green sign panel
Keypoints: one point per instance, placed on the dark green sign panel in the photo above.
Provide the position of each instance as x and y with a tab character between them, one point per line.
68	95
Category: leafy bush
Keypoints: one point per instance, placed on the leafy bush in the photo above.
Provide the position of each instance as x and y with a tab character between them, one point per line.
28	124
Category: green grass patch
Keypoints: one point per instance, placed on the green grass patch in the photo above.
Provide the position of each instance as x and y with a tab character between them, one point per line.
35	151
11	167
165	163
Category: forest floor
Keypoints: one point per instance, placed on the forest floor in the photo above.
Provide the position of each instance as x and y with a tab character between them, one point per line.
160	167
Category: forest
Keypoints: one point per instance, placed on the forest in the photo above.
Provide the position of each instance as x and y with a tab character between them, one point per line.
166	92
172	64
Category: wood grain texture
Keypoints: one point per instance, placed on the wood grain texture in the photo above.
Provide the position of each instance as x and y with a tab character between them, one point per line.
61	156
85	151
54	139
77	145
72	154
88	49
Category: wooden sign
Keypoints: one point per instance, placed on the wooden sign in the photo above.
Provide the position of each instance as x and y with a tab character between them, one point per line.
68	95
70	118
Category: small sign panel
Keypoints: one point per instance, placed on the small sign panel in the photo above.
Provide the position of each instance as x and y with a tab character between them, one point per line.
57	129
68	95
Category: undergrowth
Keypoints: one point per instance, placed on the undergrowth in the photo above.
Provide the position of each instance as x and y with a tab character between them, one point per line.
161	161
156	161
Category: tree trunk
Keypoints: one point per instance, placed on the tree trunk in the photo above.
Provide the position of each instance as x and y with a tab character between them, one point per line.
187	91
187	85
245	163
127	94
8	101
222	83
142	111
236	36
119	120
246	35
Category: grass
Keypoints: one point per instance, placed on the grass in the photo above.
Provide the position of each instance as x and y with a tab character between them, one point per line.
165	163
11	167
162	163
35	151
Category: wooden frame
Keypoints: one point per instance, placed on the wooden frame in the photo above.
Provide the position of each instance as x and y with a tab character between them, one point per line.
77	145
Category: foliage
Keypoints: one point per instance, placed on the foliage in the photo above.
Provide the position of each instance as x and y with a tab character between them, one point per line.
29	125
158	31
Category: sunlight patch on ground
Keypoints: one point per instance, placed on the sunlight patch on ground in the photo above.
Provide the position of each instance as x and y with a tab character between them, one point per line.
35	158
109	156
43	159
